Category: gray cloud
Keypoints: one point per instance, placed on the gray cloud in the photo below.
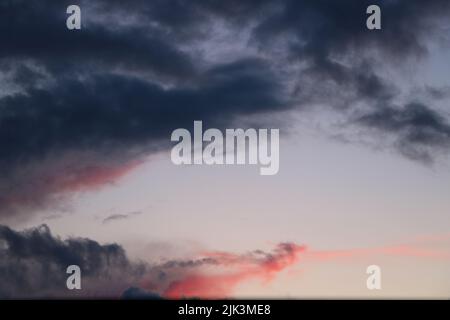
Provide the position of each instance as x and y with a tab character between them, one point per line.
418	128
33	264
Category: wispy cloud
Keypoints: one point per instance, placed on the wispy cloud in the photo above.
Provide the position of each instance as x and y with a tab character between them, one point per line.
115	217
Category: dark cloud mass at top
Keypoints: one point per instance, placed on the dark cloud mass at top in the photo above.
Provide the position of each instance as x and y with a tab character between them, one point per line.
81	108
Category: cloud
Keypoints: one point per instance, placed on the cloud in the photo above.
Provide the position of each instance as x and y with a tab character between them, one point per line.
34	186
80	135
115	217
80	109
256	265
33	264
40	35
418	128
218	274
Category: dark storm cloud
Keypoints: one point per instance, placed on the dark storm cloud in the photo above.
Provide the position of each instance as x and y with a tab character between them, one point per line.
321	28
37	31
345	64
82	108
115	117
329	35
112	109
33	263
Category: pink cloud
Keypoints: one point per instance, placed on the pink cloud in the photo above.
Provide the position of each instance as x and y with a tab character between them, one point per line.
257	265
230	270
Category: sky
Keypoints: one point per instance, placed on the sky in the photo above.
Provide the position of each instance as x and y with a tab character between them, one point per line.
87	179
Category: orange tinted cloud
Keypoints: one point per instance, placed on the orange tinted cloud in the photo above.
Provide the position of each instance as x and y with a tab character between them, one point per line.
50	185
256	265
231	269
93	176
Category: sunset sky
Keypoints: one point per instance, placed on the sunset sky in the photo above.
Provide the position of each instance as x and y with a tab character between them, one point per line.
86	175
